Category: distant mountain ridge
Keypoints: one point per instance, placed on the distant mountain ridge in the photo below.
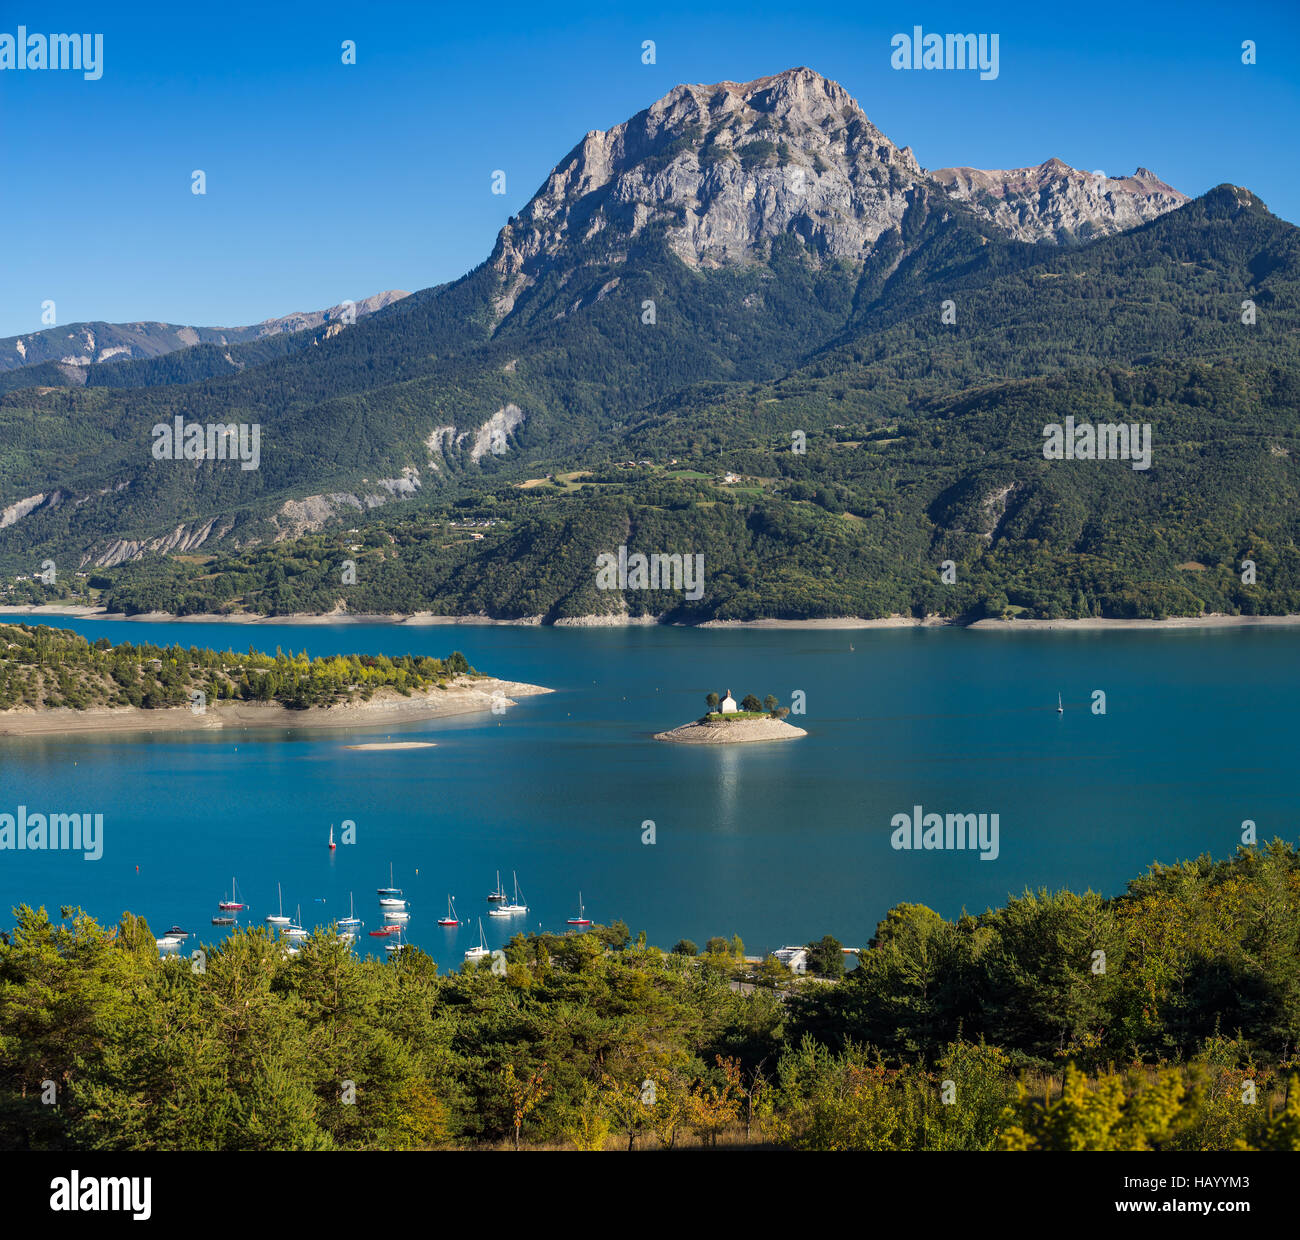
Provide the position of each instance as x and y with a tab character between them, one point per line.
1054	202
93	343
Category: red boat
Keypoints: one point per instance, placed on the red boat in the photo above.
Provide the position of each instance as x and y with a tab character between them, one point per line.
383	930
451	919
232	905
581	919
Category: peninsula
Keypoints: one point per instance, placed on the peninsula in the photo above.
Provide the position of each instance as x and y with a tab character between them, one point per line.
54	681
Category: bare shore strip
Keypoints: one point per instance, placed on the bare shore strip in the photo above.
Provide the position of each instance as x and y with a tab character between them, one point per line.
621	620
732	732
463	696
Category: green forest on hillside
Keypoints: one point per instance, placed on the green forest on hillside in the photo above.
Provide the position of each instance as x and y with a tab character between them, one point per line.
1165	1018
924	439
43	667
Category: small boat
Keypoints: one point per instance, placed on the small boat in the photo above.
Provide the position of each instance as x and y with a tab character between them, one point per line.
393	915
223	921
274	919
176	933
477	953
383	930
1060	710
393	948
451	919
387	902
168	945
518	906
581	919
499	895
332	844
233	905
294	929
348	936
390	890
351	921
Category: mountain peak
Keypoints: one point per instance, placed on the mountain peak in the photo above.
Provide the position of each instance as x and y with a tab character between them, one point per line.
725	168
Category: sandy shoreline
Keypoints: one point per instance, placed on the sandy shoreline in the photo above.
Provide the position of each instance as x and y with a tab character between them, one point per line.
737	732
394	745
462	697
1213	621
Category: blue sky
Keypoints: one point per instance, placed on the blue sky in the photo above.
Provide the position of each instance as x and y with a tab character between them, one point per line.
327	181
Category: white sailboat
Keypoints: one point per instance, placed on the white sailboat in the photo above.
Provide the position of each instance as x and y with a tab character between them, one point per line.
518	906
499	895
1060	709
351	921
477	953
451	919
390	896
294	929
278	919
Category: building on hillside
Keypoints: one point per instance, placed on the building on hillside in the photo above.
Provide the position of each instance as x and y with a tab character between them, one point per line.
728	704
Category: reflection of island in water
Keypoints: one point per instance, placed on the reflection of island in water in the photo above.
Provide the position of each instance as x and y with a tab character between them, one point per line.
729	723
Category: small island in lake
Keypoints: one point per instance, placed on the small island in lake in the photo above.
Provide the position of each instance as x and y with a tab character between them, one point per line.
727	723
55	681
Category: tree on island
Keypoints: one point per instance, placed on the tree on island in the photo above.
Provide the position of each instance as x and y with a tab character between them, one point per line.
712	703
685	947
751	704
770	703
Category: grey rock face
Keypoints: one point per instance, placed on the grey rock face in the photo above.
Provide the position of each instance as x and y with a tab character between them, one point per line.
1054	202
727	168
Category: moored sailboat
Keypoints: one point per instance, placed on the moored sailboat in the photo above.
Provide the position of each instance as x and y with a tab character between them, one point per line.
351	921
278	919
234	904
477	953
518	905
451	919
581	919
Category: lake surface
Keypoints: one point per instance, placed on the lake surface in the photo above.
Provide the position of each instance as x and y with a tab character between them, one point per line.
779	842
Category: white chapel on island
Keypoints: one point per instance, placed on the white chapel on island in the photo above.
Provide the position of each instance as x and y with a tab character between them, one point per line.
728	705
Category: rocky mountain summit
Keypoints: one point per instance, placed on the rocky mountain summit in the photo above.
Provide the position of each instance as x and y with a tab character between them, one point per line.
727	168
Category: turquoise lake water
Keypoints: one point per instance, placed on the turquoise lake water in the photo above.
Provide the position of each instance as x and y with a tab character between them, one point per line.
780	842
